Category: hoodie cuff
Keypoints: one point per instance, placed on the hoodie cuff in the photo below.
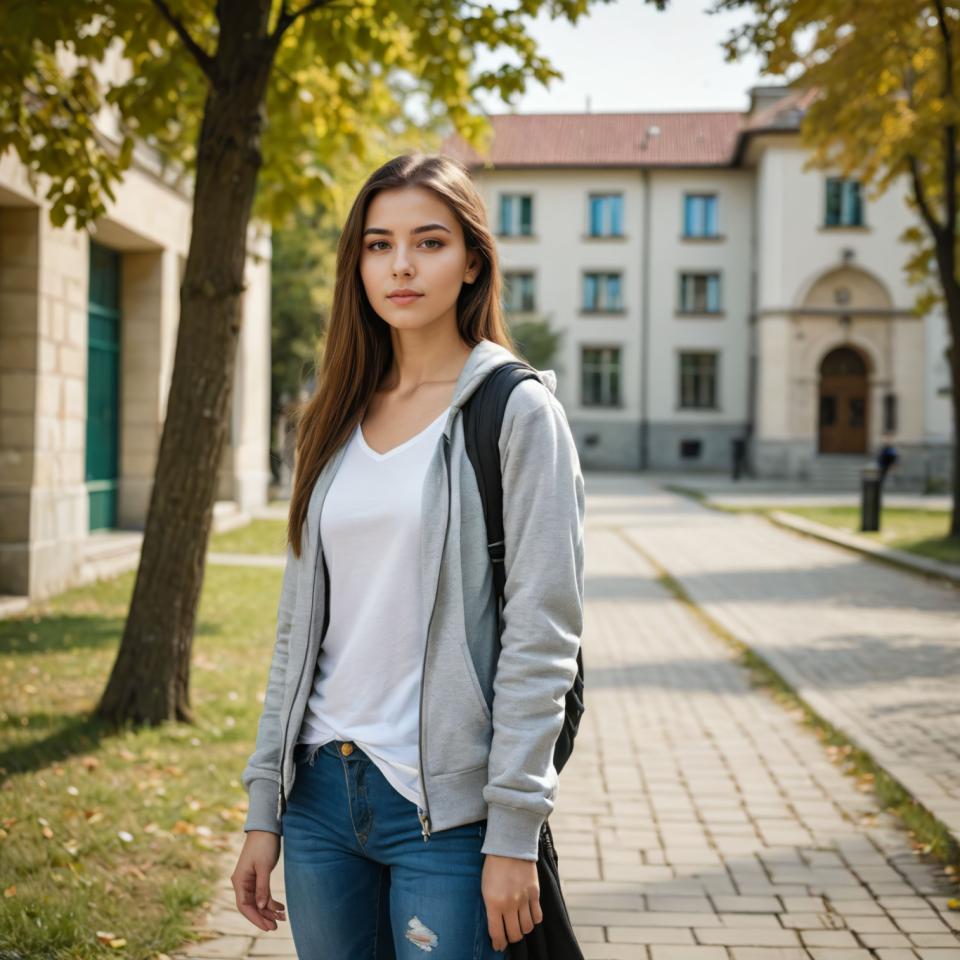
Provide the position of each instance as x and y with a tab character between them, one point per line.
262	809
512	832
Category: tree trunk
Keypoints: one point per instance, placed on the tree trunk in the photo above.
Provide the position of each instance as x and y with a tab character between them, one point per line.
150	681
951	295
953	354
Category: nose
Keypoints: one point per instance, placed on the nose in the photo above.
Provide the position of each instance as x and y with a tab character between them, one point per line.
401	264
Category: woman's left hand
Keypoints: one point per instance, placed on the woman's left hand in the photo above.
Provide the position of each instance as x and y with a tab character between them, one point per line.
511	894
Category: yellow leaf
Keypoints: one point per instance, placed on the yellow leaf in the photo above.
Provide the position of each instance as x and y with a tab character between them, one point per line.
10	891
953	903
104	936
118	942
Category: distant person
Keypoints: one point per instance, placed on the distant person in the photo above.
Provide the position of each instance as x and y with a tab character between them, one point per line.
887	458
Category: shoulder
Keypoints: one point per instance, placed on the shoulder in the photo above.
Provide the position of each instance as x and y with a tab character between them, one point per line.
534	418
527	397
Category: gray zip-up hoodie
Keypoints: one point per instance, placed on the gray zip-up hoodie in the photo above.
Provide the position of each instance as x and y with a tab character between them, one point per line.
489	716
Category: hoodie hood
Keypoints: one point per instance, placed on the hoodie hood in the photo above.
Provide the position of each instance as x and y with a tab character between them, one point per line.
485	357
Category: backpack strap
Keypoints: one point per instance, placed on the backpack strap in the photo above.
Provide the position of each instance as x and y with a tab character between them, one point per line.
482	422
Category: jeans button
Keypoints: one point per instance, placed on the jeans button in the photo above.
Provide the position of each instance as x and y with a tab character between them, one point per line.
346	748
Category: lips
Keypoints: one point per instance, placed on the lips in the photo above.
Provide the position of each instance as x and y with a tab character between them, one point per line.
404	295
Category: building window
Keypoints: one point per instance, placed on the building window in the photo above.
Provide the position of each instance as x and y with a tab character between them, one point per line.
606	215
602	292
844	203
690	449
518	292
700	215
516	215
600	376
889	413
699	293
698	380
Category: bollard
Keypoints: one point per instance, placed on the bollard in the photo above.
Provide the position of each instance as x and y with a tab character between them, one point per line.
869	499
738	455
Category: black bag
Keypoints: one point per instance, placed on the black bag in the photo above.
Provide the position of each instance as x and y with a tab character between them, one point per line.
553	938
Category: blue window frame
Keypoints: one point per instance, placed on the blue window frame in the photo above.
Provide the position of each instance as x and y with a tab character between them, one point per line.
602	292
700	215
697	379
699	293
844	203
600	376
606	215
516	215
518	292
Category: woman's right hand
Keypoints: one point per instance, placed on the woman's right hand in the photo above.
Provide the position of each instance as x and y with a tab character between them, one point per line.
251	879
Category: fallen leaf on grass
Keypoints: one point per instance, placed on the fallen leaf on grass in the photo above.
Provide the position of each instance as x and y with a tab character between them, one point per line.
10	891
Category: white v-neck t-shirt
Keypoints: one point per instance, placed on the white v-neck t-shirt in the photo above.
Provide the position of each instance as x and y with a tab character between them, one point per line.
367	681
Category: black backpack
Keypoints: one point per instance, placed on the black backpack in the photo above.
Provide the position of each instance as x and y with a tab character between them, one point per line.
553	938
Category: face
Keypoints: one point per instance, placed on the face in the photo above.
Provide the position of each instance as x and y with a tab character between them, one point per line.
412	241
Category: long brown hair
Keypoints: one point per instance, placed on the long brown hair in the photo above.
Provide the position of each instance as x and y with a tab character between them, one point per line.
358	351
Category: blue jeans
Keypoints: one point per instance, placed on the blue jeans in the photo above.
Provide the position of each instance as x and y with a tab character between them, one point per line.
360	880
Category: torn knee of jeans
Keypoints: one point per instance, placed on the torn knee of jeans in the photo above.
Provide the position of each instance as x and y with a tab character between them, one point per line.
421	935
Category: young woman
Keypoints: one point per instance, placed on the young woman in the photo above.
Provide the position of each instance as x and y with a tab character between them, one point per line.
408	762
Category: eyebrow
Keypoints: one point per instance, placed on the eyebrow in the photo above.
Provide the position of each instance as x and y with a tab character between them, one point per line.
424	229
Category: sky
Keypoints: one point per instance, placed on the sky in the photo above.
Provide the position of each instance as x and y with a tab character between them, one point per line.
628	56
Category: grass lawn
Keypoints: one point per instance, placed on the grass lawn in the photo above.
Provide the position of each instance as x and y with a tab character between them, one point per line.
258	536
918	531
121	834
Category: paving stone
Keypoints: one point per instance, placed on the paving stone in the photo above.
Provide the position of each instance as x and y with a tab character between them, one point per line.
828	938
648	935
614	951
659	951
747	936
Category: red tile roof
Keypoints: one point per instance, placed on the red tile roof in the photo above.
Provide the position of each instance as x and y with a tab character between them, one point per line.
688	139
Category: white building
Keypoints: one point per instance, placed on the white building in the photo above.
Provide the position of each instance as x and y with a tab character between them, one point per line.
88	326
708	288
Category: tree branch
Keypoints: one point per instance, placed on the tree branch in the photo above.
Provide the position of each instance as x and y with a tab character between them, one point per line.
288	17
920	197
204	60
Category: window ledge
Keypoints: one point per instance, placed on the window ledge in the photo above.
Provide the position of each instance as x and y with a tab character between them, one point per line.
702	238
700	314
613	312
517	236
833	227
678	409
603	236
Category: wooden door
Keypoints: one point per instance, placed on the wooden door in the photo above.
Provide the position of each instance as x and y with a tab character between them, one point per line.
843	402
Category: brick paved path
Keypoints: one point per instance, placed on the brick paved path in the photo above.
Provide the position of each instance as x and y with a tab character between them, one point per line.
873	649
698	820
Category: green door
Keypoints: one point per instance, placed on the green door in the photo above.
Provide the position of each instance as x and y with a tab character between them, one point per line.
103	386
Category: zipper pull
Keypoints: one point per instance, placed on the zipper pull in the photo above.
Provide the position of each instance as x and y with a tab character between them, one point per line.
424	824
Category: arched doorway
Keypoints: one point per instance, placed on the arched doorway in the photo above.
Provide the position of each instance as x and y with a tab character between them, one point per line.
843	402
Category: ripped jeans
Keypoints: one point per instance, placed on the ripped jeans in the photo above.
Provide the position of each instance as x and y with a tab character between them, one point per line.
360	881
